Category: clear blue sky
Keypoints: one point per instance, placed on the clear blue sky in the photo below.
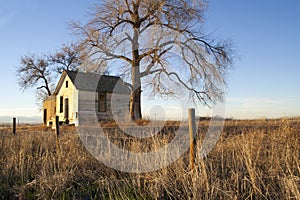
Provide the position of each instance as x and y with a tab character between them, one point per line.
264	81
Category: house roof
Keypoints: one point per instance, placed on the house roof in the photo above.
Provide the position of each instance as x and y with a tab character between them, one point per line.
95	82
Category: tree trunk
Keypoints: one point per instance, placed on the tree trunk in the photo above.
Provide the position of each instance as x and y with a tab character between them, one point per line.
135	97
135	104
47	86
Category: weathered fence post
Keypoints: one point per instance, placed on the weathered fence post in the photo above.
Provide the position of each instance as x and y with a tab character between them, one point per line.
57	133
192	131
14	125
57	125
58	149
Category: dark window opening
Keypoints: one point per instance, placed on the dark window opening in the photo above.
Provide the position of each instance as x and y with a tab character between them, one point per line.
102	102
67	84
61	104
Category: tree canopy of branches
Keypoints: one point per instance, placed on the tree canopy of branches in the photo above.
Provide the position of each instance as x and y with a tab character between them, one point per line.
35	71
41	72
160	44
67	58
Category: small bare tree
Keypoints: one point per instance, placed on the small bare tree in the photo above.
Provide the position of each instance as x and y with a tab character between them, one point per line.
159	43
35	72
41	72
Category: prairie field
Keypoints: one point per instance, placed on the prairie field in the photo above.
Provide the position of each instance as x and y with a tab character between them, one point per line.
253	159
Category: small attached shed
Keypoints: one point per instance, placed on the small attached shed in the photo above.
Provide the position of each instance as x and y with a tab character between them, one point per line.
49	110
81	96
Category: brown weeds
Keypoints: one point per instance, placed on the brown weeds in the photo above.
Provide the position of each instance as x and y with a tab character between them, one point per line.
252	160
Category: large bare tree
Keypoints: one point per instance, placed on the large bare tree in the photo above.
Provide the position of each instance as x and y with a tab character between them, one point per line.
159	43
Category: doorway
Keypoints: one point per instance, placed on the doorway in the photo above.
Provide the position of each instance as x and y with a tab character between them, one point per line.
45	116
66	111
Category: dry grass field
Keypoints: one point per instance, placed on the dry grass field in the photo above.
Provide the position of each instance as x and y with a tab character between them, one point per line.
253	159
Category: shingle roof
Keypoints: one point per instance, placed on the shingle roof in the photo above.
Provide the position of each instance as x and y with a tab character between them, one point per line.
97	82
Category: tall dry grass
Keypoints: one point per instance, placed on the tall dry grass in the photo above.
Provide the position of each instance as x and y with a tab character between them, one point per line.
248	162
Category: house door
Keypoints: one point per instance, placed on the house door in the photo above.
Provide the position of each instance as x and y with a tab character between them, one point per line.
45	116
66	111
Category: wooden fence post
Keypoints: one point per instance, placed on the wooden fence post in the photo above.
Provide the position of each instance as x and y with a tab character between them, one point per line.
14	125
57	125
192	131
57	136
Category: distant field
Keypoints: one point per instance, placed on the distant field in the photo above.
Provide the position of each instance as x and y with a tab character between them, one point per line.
253	159
6	120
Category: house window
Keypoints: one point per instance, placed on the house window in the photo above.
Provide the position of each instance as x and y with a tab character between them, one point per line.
67	84
61	104
101	102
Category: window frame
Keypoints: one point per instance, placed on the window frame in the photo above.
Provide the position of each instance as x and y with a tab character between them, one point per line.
61	104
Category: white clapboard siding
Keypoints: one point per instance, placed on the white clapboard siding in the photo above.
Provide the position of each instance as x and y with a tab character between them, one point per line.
71	93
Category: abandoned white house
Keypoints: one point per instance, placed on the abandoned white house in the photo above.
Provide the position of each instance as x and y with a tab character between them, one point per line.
79	96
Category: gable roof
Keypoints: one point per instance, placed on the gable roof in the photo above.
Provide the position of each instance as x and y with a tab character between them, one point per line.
94	82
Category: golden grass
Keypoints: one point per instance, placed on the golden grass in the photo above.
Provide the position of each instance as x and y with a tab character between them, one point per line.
261	161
